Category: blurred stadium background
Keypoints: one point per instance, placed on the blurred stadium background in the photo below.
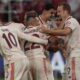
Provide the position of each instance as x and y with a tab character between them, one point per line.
19	7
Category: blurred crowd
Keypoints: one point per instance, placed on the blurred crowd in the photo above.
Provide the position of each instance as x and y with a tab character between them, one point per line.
19	7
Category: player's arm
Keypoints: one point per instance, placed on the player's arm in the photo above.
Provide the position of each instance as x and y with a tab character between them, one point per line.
65	53
68	28
57	32
31	38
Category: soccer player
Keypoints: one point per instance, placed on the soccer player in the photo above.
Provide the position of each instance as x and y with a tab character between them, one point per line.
39	64
45	18
71	31
16	63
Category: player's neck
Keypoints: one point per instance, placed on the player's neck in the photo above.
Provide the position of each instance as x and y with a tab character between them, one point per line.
66	17
43	18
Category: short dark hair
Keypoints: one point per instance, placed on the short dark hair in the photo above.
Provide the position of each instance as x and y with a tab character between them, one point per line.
30	15
29	18
66	6
48	6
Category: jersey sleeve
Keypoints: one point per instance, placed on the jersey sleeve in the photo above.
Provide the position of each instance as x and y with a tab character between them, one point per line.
71	24
30	38
22	27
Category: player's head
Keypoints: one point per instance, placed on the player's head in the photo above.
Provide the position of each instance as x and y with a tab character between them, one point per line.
31	20
63	10
58	21
48	11
53	44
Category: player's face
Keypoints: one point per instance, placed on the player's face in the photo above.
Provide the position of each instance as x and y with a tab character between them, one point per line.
53	44
49	13
54	47
58	22
61	11
34	22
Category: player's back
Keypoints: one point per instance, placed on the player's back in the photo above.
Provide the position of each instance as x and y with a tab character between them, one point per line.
34	48
9	42
12	26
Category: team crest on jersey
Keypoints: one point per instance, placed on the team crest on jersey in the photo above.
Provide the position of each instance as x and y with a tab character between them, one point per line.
67	23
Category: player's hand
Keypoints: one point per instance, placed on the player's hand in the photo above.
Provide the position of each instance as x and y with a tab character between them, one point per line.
65	54
43	29
46	47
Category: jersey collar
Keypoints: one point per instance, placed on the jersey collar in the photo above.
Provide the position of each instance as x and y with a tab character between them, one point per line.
69	17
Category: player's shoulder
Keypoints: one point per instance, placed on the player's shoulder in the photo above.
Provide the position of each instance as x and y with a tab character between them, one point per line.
3	29
72	19
17	24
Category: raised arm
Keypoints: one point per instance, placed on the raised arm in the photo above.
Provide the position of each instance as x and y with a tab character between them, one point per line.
57	32
30	38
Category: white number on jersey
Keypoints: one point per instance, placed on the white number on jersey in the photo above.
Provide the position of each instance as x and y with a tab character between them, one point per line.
32	46
10	39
